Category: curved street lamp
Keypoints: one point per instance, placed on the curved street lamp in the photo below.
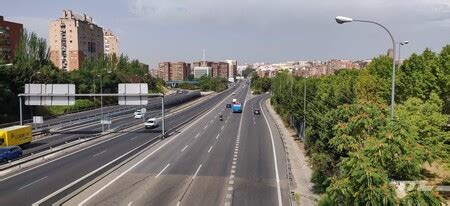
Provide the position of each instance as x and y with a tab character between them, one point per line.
343	19
400	44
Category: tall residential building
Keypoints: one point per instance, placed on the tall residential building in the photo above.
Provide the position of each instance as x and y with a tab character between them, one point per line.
74	38
174	71
111	43
10	33
217	69
232	69
200	71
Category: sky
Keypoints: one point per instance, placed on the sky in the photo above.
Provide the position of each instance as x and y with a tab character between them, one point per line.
250	31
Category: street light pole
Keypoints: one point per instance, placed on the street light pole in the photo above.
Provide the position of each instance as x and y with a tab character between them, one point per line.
342	20
101	101
304	108
400	44
29	88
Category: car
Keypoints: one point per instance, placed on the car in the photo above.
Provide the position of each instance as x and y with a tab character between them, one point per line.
136	112
9	153
228	105
138	115
151	123
233	93
256	112
179	91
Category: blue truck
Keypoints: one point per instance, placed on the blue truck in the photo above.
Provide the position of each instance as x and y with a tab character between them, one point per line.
237	108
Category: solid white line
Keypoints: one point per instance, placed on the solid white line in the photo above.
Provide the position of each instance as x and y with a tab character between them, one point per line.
217	137
196	172
27	185
274	156
99	153
134	137
184	148
209	149
179	203
162	171
197	135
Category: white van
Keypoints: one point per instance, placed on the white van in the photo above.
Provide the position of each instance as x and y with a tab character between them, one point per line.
151	123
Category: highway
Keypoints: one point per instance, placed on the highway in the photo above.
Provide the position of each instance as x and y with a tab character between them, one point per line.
90	127
41	181
237	161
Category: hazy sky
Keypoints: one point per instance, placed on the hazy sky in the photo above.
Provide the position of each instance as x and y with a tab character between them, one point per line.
250	30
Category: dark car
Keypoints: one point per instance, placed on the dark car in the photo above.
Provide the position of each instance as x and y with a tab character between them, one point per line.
256	112
9	153
228	105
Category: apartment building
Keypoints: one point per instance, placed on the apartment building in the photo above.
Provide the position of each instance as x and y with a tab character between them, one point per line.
111	43
217	69
10	33
74	38
174	71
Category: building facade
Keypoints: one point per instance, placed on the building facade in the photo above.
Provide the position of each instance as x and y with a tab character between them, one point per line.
111	43
232	69
200	71
10	34
174	71
217	69
74	38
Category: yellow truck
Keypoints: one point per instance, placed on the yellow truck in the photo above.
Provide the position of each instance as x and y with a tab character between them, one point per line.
15	135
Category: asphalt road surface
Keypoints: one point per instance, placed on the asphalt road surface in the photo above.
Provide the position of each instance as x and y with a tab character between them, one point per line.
237	161
31	185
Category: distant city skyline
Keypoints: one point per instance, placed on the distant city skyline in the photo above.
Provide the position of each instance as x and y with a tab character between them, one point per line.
154	31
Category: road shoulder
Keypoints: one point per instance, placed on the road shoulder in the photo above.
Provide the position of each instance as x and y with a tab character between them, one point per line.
301	172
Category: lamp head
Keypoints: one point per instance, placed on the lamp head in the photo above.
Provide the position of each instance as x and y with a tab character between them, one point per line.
343	19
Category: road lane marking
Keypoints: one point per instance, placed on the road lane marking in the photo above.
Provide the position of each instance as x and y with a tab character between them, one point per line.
134	137
197	135
210	121
184	148
228	196
234	162
274	156
222	127
231	182
230	188
162	171
231	176
99	153
233	171
196	172
209	149
129	204
205	127
34	182
217	137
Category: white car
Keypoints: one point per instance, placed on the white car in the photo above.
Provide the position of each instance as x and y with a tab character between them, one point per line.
233	93
136	112
138	115
151	123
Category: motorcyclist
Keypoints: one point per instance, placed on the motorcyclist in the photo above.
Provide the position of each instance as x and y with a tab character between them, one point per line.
220	117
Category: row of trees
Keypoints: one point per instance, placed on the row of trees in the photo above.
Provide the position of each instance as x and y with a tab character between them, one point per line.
32	64
260	84
207	83
354	149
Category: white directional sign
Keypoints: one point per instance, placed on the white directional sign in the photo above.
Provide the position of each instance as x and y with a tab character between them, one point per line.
60	89
129	90
34	89
50	94
38	119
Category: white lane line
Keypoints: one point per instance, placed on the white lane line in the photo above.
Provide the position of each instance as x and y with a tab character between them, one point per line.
274	157
179	203
229	196
231	176
233	171
209	149
27	185
197	135
129	204
217	137
205	127
210	121
184	148
134	137
196	172
230	188
231	182
222	127
99	153
162	171
234	162
254	123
